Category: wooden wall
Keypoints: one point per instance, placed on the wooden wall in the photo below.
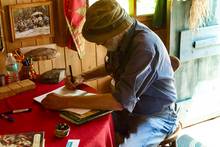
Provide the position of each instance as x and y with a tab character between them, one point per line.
193	71
94	54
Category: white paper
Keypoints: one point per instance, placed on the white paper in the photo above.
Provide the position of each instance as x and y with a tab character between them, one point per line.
66	92
73	143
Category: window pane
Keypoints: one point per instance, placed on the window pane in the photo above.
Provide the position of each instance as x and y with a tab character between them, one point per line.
91	2
145	7
123	3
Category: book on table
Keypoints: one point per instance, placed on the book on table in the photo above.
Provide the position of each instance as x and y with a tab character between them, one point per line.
75	115
26	139
83	118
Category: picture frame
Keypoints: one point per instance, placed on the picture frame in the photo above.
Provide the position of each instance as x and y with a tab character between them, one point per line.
31	20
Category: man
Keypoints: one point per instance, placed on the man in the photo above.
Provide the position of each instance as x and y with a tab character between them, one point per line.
144	94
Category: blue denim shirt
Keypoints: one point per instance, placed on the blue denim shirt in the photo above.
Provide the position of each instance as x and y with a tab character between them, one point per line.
146	82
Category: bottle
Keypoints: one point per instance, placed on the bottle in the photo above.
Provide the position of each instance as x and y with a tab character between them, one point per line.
11	69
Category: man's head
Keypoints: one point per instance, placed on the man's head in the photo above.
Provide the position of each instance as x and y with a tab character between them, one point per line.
105	20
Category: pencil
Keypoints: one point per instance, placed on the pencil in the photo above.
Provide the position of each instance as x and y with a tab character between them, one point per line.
18	111
71	73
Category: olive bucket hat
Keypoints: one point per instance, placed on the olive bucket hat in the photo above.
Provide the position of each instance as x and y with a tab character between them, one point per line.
104	20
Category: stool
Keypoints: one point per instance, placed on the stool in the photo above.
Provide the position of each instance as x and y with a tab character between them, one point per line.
170	141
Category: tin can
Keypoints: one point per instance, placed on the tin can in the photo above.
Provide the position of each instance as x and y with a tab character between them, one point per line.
2	79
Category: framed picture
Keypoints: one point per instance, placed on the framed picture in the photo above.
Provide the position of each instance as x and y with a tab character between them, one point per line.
31	20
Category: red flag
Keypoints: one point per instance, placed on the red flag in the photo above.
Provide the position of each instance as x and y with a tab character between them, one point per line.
74	11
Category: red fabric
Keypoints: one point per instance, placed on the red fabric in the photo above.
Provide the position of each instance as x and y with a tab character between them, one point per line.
74	13
96	133
71	11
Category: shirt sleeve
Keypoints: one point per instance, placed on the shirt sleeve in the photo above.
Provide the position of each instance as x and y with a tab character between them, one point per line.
138	76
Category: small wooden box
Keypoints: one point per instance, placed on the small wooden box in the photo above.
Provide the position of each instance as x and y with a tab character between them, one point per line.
16	87
5	92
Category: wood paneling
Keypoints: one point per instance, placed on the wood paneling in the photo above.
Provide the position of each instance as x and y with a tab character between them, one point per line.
94	54
23	1
89	60
59	61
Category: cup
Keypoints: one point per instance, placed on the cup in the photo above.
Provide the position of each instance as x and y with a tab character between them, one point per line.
62	130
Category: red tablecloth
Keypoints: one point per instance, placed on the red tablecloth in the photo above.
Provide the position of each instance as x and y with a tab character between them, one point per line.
96	133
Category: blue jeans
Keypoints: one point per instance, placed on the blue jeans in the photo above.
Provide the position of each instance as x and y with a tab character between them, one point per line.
146	131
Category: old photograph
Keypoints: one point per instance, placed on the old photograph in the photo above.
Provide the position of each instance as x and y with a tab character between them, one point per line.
30	20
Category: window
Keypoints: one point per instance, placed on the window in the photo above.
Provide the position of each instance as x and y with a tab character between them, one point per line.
145	7
136	8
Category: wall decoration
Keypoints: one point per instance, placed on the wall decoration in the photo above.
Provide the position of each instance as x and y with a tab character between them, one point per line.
31	20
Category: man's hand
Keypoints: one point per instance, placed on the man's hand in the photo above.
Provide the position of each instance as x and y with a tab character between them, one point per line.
77	80
53	101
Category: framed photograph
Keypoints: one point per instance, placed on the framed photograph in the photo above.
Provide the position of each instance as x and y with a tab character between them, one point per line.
31	20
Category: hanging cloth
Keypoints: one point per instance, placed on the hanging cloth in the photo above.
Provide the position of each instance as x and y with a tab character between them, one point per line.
74	11
159	17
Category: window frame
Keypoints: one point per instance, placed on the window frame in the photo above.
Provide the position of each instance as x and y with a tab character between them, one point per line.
141	18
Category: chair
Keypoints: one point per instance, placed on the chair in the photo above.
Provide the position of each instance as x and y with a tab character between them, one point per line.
175	62
170	141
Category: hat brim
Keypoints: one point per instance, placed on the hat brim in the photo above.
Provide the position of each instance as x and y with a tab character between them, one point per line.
101	37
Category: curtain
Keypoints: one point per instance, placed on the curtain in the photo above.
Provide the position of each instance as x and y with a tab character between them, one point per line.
159	17
74	11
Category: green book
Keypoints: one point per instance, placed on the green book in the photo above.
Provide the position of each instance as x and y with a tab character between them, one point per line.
83	118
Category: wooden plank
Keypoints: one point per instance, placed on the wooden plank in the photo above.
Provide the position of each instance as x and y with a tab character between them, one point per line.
101	53
8	2
43	40
103	83
8	44
2	62
36	67
200	43
89	60
59	61
23	1
45	65
13	45
28	43
61	28
72	59
39	0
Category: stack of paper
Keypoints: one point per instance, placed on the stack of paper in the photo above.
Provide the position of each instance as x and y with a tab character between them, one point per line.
75	115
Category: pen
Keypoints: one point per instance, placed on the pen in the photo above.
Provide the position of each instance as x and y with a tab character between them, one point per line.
7	117
71	73
18	111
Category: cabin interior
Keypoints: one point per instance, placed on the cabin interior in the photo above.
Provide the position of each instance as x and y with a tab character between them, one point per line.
189	29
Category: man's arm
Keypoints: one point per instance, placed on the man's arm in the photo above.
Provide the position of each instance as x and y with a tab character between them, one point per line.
99	101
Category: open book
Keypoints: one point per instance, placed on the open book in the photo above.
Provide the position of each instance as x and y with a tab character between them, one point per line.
66	92
75	115
27	139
